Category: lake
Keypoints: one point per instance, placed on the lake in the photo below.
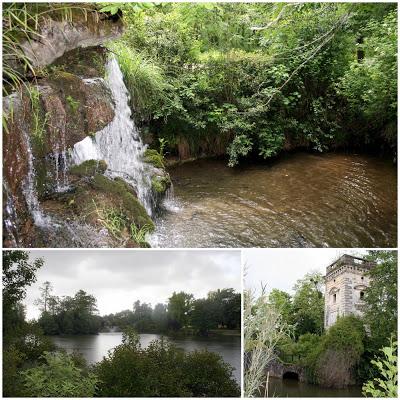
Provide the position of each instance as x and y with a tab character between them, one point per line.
293	388
95	347
299	200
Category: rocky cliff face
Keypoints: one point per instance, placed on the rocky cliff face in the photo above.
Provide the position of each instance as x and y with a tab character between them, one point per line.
57	37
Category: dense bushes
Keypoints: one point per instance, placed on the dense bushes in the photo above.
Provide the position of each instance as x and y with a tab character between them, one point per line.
331	360
254	79
163	370
58	376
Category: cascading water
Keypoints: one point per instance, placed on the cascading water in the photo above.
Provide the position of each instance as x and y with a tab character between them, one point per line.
119	143
29	188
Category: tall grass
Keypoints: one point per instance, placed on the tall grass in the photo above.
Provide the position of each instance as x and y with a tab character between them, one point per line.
263	329
21	23
143	78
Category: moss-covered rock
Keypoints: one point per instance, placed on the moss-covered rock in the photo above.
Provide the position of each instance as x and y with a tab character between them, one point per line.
154	158
125	198
89	168
160	183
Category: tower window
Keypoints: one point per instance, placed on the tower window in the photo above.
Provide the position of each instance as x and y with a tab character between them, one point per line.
334	298
362	278
361	295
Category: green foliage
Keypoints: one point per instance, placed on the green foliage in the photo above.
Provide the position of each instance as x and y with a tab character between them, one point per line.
331	360
387	383
162	370
139	234
179	306
370	84
381	298
163	142
58	377
259	78
220	310
206	375
88	168
72	103
70	315
39	122
21	22
155	158
308	305
143	78
264	328
18	273
160	184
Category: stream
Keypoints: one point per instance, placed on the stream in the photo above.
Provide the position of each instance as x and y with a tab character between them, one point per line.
300	200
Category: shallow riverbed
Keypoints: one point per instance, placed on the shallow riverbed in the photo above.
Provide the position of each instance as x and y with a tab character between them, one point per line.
300	200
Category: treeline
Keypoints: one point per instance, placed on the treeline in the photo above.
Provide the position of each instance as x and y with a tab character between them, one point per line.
33	367
252	80
183	313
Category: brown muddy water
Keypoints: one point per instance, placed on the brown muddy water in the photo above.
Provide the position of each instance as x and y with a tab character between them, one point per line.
301	200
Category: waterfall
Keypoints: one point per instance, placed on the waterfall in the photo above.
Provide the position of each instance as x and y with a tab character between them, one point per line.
119	143
29	188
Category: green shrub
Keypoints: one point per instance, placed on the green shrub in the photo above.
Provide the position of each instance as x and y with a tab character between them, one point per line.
58	377
386	384
162	370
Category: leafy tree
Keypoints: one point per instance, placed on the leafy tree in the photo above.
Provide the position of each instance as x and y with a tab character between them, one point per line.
179	308
58	377
160	317
308	305
381	298
282	302
200	317
18	273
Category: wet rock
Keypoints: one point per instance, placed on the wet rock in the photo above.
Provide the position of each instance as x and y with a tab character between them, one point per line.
15	159
160	180
154	158
89	168
160	183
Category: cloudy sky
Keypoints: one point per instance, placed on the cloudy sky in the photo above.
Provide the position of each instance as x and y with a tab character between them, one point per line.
280	268
118	278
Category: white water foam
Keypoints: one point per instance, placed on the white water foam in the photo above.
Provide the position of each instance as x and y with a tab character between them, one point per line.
119	143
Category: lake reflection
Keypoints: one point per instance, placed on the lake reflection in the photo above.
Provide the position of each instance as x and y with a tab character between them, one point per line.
95	347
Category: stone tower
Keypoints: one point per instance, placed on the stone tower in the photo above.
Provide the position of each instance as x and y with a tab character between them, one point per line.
345	283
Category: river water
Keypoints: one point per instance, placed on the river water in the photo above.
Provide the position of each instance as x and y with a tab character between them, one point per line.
300	200
95	347
293	388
